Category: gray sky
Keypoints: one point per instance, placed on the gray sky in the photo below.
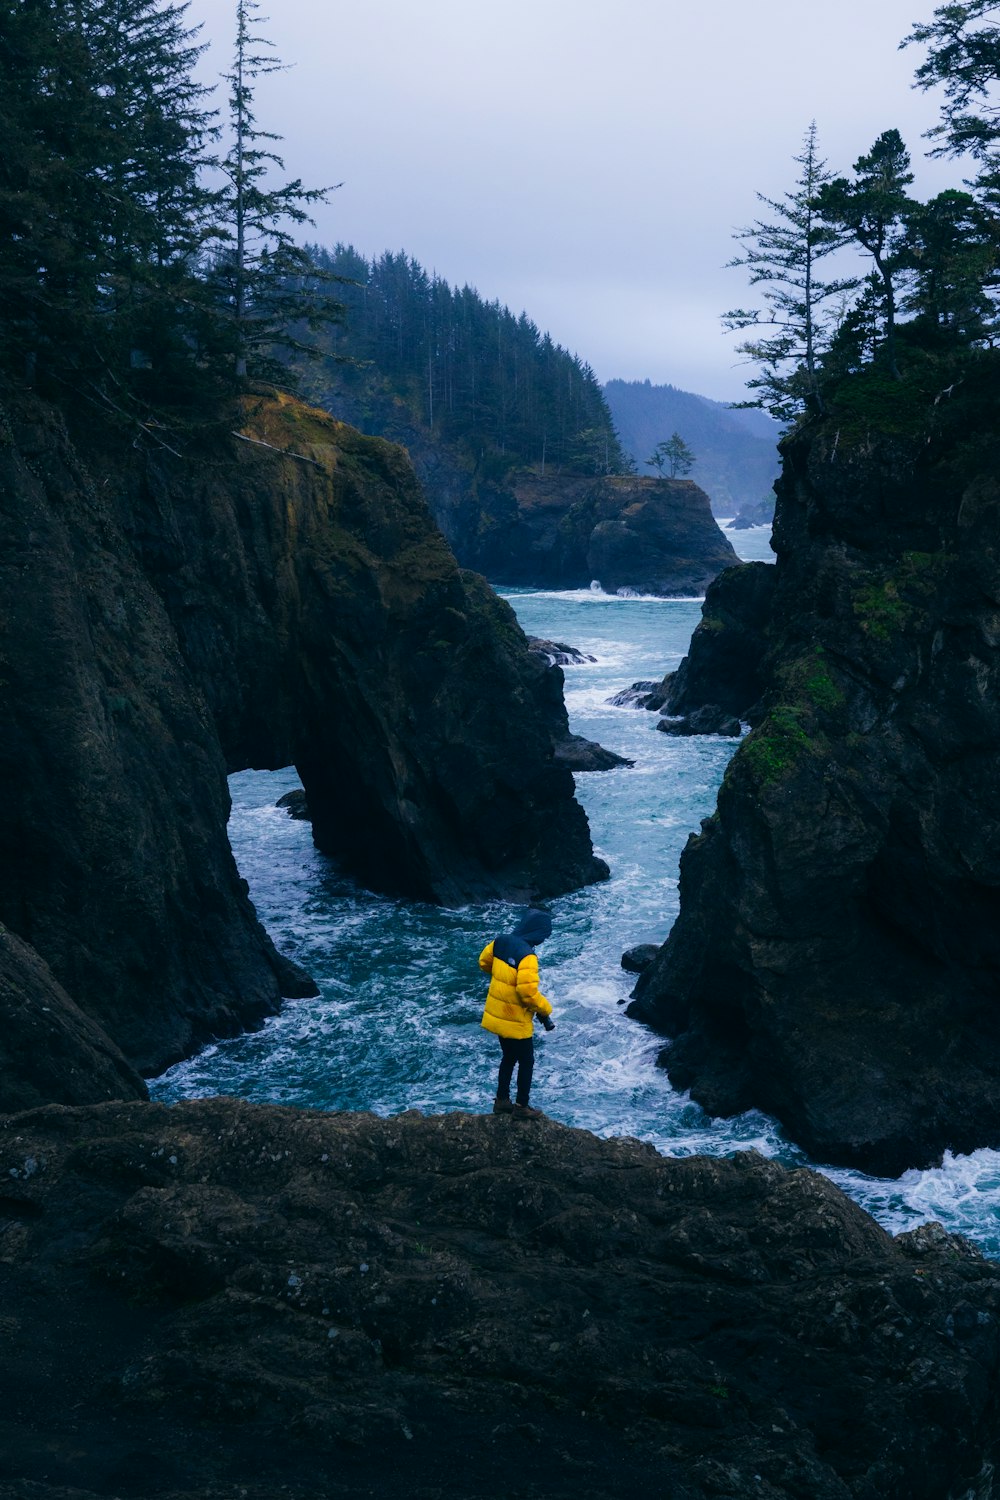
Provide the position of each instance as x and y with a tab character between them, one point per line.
583	161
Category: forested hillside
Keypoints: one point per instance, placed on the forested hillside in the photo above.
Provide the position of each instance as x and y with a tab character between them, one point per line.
466	371
736	459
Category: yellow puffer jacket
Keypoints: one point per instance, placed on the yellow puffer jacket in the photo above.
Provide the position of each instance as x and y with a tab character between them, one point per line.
514	998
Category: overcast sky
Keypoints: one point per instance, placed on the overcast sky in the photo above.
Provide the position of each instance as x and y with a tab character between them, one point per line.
583	161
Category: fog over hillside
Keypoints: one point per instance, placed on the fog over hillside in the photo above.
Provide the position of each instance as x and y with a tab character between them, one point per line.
735	451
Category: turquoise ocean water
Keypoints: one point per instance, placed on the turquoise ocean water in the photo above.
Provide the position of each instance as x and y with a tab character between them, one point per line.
396	1025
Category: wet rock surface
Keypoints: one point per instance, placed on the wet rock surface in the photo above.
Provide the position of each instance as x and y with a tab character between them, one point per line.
223	1300
709	719
557	653
580	754
726	661
635	960
638	695
836	960
282	599
50	1052
295	804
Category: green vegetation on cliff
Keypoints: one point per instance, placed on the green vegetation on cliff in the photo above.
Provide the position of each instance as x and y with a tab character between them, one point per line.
915	324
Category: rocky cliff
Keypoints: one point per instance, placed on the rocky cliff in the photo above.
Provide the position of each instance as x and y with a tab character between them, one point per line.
281	597
723	669
558	530
234	1301
836	960
656	536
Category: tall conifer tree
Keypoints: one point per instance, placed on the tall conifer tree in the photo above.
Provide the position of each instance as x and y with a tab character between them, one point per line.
268	282
872	210
783	256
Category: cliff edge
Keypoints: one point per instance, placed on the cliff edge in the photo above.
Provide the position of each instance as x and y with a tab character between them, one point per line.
836	960
277	596
241	1301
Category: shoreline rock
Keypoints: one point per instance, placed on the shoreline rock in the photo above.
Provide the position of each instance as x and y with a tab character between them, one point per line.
557	654
582	755
280	601
636	960
272	1300
836	958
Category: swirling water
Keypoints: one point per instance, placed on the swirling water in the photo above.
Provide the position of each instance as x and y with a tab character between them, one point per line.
396	1023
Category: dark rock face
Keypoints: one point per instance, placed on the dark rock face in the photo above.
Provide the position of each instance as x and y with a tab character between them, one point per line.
725	661
579	754
635	960
167	621
709	719
49	1050
655	536
721	679
295	804
836	960
259	1301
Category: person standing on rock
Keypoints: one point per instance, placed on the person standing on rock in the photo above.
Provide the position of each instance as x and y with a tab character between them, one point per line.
512	1002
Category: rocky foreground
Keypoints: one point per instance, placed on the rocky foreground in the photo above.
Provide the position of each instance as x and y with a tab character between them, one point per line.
238	1302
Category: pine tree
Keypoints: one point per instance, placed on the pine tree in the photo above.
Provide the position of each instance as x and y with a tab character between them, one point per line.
101	209
268	283
963	59
473	371
951	248
783	256
872	210
674	454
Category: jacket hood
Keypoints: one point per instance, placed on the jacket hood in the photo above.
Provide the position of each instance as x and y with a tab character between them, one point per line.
534	927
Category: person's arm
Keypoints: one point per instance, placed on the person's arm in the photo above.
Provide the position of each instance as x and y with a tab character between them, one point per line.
528	992
486	959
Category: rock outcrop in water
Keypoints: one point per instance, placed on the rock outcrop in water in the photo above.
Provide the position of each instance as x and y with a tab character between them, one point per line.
722	675
235	1301
653	536
560	530
283	599
836	960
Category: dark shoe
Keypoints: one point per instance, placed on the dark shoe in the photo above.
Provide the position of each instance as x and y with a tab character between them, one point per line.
502	1107
525	1112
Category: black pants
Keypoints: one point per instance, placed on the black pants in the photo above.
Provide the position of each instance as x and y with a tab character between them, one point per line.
519	1052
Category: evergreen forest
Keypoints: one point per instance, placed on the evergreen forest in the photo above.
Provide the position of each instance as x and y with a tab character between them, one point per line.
470	372
147	255
874	303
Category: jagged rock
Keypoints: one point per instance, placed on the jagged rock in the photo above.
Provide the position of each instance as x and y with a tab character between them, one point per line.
635	960
557	654
264	1301
559	530
49	1050
653	536
295	804
749	516
639	695
579	754
725	664
836	959
709	719
280	600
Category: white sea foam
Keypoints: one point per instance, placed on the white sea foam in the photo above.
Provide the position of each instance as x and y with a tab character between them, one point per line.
596	596
396	1024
